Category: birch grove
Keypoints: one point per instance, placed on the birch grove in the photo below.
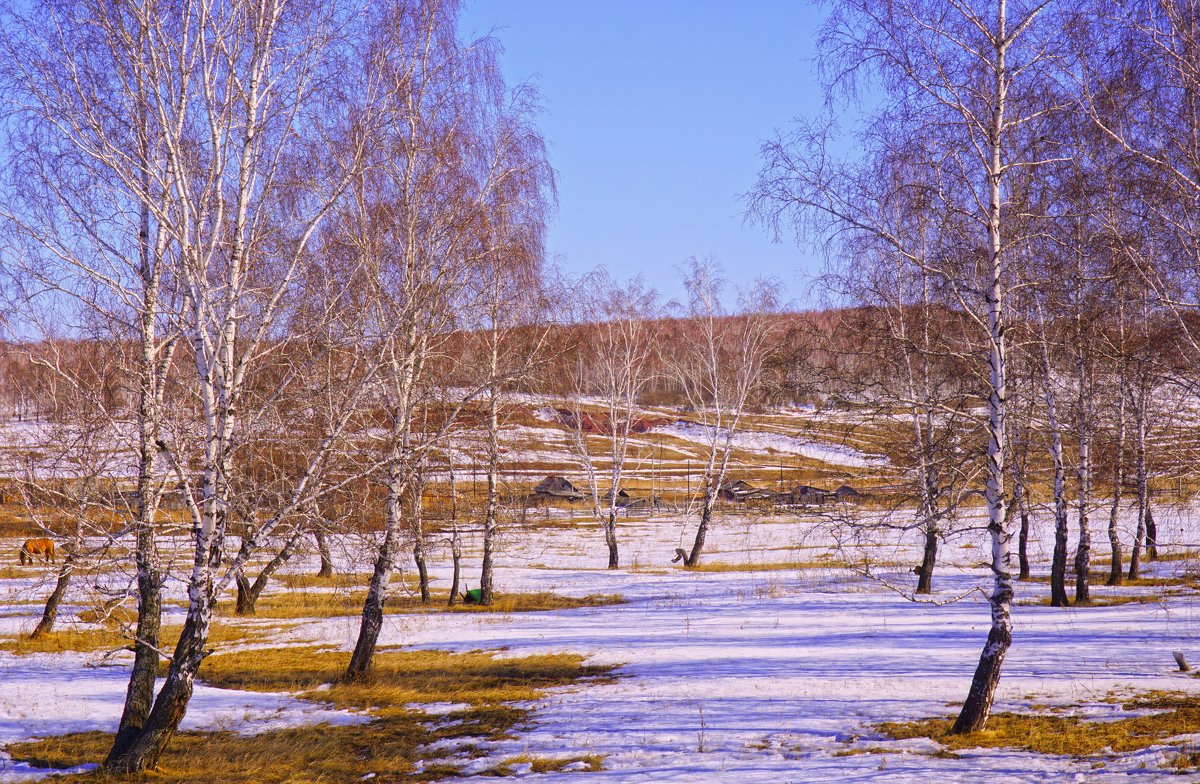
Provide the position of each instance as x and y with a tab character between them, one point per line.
276	283
968	86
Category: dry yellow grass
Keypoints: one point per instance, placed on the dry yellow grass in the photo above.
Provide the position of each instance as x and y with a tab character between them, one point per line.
325	604
389	747
338	580
70	638
17	572
1177	714
67	639
587	763
399	677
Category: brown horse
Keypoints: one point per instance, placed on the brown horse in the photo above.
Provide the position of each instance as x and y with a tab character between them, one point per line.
42	547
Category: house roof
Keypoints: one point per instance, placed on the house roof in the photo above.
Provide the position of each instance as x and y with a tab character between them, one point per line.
557	487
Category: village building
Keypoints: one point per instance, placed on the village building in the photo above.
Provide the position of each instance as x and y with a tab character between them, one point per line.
557	487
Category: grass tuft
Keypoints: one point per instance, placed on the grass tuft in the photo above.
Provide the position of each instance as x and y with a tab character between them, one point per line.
528	763
400	744
112	637
325	604
1064	735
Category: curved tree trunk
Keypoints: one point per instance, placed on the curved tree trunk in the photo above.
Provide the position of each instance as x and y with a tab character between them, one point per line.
1115	570
244	605
326	569
139	694
610	538
372	613
978	707
1135	553
422	569
147	746
50	611
929	555
928	559
693	558
248	592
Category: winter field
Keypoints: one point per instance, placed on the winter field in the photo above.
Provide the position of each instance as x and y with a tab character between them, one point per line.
771	664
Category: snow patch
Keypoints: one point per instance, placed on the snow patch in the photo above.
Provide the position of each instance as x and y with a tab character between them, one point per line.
765	443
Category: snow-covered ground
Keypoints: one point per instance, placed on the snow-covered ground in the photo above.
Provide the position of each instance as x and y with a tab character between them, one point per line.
53	694
768	443
768	676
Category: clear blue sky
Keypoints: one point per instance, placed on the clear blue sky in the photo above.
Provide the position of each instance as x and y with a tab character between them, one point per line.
654	112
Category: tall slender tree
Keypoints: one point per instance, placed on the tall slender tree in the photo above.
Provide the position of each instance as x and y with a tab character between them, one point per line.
973	82
719	368
613	368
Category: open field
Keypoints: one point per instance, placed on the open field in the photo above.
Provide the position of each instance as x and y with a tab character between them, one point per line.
774	663
792	652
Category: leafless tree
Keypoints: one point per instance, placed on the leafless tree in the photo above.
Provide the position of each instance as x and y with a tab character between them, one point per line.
510	322
972	82
912	349
89	185
718	366
613	367
1058	568
67	467
427	220
199	128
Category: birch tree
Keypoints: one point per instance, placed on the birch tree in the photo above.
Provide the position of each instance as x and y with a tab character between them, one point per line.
1058	566
67	466
422	220
973	81
510	324
1141	82
250	169
613	364
915	348
718	366
88	200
